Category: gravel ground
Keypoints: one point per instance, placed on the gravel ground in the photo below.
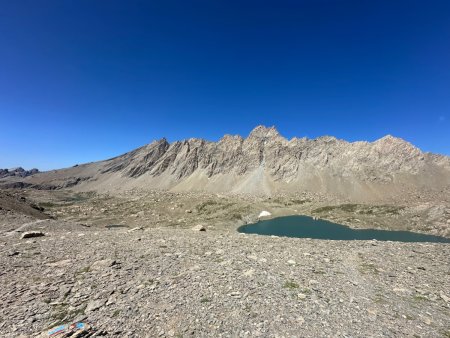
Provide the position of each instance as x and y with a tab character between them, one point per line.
164	282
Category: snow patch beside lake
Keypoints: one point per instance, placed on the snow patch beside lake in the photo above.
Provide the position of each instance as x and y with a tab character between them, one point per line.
264	214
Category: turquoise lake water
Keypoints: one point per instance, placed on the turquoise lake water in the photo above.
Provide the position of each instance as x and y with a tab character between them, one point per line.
307	227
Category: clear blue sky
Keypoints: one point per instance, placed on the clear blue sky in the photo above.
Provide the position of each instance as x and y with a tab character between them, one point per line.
86	80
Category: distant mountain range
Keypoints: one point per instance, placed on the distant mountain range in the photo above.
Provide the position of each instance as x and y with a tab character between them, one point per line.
20	172
263	163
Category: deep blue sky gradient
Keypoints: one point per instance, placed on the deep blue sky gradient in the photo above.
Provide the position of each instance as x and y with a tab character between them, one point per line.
87	80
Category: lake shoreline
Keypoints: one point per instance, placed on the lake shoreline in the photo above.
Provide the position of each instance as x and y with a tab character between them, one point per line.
312	227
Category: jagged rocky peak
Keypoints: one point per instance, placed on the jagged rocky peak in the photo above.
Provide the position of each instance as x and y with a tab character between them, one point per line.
230	142
295	141
196	141
394	141
160	141
230	138
158	146
264	132
390	143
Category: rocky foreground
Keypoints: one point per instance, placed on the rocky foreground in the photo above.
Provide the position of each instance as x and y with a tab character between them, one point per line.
164	282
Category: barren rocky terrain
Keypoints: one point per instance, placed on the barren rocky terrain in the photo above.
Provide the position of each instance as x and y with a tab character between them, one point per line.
116	244
180	283
151	275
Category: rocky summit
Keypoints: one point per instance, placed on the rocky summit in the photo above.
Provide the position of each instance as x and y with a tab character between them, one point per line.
263	163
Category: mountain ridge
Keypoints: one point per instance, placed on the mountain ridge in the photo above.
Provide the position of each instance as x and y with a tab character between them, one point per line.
263	163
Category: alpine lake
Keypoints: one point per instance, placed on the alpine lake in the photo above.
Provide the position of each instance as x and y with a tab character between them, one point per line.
308	227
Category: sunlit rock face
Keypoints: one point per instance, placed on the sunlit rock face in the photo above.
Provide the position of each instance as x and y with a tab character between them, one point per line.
265	163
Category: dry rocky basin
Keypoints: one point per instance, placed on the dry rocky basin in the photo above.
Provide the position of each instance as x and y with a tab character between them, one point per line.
153	276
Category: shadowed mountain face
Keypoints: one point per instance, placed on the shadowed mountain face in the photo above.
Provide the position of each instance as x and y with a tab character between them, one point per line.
264	163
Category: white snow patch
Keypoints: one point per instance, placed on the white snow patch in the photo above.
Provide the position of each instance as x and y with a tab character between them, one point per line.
264	214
